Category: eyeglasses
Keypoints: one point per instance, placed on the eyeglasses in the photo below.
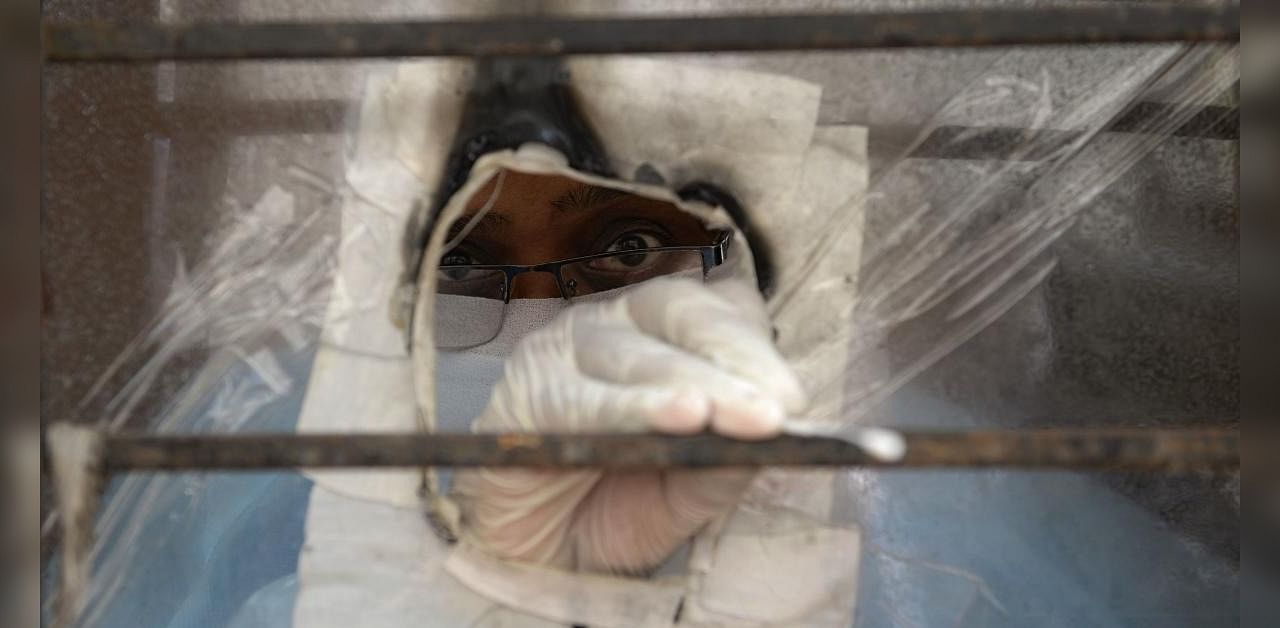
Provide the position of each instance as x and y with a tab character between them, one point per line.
479	293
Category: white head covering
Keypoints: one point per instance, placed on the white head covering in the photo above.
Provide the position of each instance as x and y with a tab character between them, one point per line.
751	133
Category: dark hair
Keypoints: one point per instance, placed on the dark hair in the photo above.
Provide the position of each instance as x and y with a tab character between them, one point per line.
761	252
512	101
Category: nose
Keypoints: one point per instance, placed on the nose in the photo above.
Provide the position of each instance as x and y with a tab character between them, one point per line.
535	285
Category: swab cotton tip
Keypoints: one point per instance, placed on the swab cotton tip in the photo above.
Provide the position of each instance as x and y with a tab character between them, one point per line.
883	444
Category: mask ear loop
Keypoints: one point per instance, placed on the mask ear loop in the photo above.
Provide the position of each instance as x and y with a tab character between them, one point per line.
442	514
484	210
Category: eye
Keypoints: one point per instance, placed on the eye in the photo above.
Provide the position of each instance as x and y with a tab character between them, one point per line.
633	254
456	258
630	241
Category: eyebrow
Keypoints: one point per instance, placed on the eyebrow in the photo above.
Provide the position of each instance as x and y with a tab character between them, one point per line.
488	222
583	197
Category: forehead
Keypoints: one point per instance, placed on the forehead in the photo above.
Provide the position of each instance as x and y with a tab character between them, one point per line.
539	190
515	197
520	217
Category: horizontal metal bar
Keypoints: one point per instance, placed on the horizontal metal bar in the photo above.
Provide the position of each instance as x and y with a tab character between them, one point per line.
960	142
273	117
1107	23
1172	450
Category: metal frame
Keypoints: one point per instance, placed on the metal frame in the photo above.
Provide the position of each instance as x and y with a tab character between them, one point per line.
1147	23
1172	450
1214	122
711	256
1132	449
1155	450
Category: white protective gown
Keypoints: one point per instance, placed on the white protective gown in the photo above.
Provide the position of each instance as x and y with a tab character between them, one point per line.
373	556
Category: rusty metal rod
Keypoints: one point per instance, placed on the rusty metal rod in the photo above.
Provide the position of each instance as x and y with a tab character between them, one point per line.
1171	450
275	117
1105	23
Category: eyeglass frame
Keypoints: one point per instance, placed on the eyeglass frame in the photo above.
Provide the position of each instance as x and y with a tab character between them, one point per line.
713	255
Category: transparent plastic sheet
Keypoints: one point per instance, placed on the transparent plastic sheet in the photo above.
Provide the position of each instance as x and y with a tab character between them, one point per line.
251	312
958	245
959	242
949	247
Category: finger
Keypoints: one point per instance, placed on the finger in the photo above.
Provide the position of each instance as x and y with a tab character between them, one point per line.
696	319
621	355
632	408
577	403
683	409
747	298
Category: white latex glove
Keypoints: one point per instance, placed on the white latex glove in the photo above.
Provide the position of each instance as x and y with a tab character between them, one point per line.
674	356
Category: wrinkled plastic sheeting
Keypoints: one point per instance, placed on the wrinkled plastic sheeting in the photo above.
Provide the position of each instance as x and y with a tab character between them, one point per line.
950	247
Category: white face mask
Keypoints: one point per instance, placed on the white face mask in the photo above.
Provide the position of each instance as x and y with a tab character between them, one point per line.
465	378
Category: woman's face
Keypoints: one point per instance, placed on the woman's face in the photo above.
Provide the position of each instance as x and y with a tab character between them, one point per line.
544	218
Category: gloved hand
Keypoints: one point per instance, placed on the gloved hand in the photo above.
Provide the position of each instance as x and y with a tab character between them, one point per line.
674	356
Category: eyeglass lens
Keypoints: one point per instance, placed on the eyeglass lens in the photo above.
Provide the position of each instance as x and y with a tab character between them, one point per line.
471	305
624	269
